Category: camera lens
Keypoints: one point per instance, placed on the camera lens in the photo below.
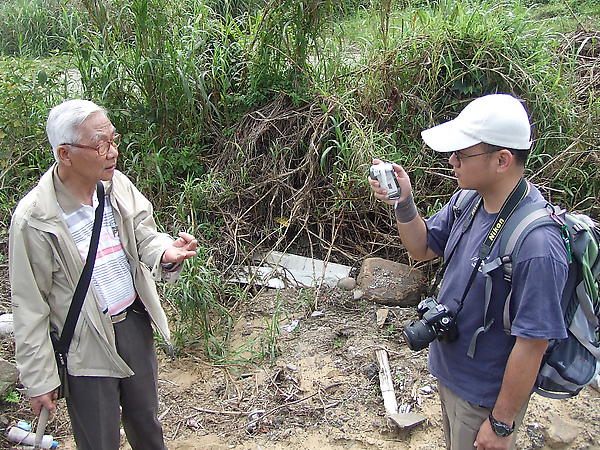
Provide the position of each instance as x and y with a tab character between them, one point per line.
418	335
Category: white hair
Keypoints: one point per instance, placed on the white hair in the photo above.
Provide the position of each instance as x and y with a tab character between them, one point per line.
63	120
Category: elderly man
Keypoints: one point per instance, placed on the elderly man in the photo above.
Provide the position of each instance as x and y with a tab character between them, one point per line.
112	363
485	388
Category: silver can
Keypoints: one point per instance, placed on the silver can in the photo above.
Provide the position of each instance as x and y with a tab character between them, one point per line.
386	175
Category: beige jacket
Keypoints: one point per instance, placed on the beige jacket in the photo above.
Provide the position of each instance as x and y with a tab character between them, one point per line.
44	267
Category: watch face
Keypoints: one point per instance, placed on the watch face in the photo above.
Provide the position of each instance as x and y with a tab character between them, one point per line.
500	428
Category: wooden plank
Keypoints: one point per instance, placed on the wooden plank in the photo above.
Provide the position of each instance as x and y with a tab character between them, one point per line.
385	383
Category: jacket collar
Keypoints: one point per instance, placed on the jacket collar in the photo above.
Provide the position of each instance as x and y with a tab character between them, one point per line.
52	192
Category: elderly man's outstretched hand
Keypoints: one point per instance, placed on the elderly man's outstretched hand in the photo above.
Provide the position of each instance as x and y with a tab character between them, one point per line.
183	248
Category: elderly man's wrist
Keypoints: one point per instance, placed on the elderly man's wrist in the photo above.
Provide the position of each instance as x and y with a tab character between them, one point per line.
406	210
168	266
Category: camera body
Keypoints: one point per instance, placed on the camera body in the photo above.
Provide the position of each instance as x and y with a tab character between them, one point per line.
435	322
386	175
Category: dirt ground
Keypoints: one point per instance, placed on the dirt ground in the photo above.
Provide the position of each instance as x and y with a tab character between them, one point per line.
321	391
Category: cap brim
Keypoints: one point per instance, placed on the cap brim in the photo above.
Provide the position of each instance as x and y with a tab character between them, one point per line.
446	137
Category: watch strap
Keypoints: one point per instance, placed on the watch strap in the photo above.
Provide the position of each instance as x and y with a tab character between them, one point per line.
500	428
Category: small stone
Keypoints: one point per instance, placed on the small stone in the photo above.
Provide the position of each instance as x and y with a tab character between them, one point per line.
561	433
310	360
291	367
358	294
347	283
382	314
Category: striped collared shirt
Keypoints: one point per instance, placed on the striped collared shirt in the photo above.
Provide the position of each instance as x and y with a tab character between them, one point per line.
112	273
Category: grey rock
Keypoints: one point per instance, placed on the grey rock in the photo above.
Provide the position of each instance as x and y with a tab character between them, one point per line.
347	283
8	376
560	433
390	283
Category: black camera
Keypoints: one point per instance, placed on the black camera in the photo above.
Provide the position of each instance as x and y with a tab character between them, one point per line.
435	321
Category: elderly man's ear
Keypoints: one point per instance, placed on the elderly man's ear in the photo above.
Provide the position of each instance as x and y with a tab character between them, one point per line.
64	154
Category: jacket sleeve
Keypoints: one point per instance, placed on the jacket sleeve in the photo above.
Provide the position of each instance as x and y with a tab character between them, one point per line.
30	270
150	243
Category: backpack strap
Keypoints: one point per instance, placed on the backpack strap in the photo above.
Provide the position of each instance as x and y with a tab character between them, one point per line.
524	221
465	199
516	229
577	327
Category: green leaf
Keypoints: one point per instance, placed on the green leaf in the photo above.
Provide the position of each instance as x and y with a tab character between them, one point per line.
42	77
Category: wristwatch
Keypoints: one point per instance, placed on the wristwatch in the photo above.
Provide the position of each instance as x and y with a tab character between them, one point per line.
500	428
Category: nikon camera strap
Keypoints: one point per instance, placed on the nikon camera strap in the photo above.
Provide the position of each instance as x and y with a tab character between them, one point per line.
509	206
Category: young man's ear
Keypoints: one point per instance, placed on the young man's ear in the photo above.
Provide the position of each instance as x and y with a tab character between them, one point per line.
505	159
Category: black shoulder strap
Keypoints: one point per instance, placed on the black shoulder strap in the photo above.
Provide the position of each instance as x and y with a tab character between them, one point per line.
84	279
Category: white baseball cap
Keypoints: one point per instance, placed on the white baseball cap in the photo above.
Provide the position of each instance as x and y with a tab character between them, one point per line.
496	119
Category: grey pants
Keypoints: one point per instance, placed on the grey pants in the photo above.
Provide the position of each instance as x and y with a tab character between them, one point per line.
94	402
462	420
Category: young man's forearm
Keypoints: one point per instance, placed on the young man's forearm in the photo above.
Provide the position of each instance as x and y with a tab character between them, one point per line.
519	377
414	237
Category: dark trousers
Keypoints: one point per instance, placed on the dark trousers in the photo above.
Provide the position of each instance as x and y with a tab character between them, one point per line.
94	402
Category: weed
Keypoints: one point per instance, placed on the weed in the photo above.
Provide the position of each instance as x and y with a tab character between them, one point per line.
200	299
270	348
11	396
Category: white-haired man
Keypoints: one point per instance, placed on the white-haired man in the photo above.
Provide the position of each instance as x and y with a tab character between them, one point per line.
486	375
112	363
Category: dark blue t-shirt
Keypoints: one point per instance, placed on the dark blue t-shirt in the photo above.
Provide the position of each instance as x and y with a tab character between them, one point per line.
539	277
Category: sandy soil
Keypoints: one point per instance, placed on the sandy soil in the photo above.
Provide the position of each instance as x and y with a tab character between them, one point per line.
320	391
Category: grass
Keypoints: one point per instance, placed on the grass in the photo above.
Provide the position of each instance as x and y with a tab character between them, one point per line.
253	126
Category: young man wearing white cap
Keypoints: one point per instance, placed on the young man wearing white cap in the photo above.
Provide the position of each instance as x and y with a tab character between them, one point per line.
485	374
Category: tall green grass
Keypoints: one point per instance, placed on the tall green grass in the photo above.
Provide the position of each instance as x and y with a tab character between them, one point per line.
35	28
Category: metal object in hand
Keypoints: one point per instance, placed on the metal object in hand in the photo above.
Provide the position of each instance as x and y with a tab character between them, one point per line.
41	427
386	175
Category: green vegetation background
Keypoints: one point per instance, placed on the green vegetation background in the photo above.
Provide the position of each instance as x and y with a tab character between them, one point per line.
252	124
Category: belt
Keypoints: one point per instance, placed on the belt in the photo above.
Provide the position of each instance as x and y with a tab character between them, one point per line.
137	306
119	317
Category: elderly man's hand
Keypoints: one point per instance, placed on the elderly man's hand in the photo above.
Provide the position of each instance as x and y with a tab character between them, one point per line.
183	248
47	401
